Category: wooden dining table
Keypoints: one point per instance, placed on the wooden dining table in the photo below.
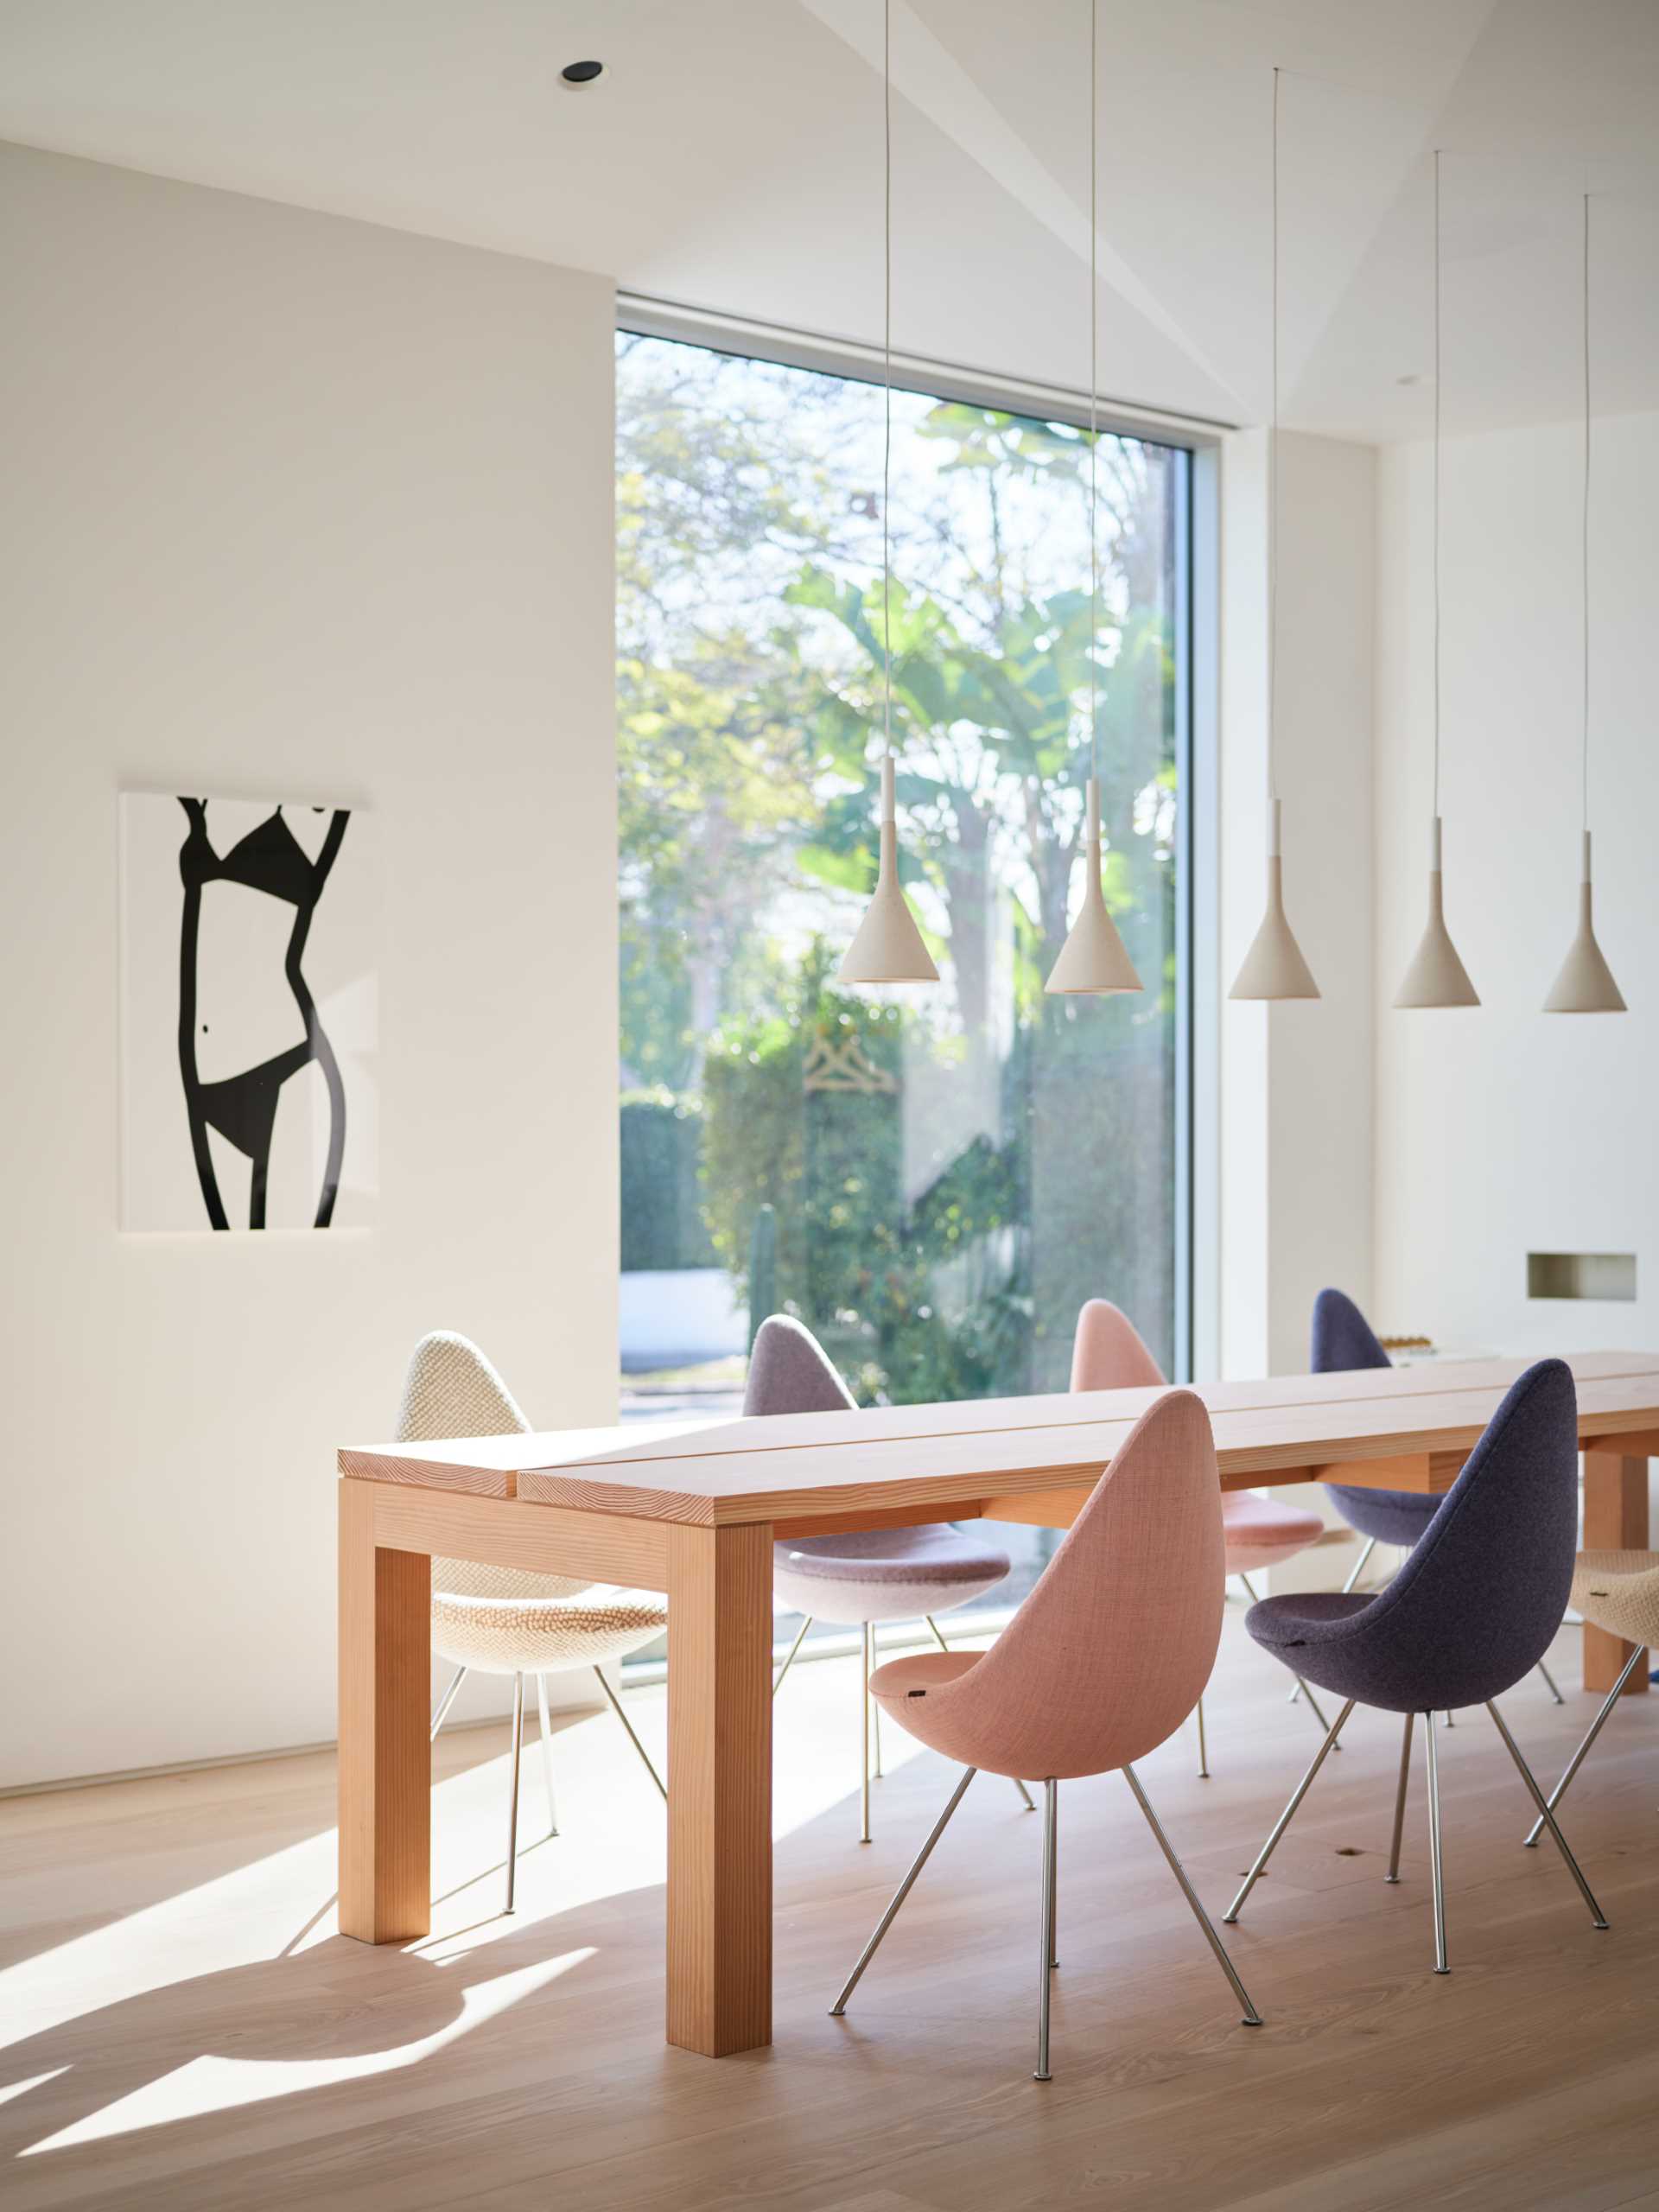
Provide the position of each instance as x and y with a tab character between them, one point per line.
692	1508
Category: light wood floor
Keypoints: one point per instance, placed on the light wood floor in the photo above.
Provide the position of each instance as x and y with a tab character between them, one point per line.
182	2028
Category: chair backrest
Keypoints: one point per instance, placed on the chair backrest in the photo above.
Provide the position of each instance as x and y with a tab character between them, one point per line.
1108	1654
1342	1336
1108	1352
451	1389
1475	1605
789	1372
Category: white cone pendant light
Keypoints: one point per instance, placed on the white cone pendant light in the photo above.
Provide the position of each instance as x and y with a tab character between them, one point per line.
887	947
1436	976
1093	962
1585	983
1274	967
1093	958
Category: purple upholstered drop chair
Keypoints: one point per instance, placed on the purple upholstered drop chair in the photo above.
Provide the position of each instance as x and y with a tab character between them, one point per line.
1466	1618
874	1575
1343	1341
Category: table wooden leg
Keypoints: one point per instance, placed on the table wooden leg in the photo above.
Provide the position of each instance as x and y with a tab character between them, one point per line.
1615	1519
720	1789
385	1760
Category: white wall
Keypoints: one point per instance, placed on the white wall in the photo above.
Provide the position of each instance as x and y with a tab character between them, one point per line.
1504	1129
293	506
1296	1078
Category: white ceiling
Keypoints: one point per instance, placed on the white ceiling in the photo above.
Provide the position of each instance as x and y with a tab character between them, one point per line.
731	160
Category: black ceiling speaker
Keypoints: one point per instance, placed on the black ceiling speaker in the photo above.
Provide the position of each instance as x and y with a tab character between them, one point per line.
582	73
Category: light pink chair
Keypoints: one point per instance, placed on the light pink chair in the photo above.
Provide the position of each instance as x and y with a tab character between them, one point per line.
1101	1663
1109	1353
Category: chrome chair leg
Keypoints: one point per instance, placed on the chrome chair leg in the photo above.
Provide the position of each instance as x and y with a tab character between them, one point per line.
447	1699
1285	1818
1441	1965
1054	1887
512	1807
1577	1760
1252	2018
547	1756
1514	1750
1204	1751
1045	1974
901	1893
616	1708
1025	1798
864	1763
1314	1708
799	1640
1549	1683
1354	1574
1359	1567
1393	1874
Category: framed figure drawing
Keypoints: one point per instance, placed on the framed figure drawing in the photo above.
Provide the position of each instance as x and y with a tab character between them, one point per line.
248	1014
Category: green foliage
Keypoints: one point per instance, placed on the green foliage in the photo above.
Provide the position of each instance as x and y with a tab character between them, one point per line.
915	1302
661	1215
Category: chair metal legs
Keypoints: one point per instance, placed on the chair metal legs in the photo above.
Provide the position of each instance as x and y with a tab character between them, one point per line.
547	1756
1252	2018
901	1893
616	1708
512	1807
1049	1906
446	1702
448	1698
1359	1567
1204	1749
799	1640
1441	1965
1284	1819
1393	1874
864	1763
1046	1957
1549	1683
1577	1760
1431	1747
1549	1817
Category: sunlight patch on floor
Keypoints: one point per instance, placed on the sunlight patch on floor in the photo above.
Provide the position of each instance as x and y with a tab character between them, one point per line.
215	2083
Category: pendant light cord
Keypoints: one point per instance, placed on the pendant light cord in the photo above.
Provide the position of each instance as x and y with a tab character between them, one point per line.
1584	794
1273	482
887	370
1437	483
1094	385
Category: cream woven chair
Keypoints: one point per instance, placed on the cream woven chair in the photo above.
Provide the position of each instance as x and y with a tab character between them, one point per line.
1620	1592
502	1620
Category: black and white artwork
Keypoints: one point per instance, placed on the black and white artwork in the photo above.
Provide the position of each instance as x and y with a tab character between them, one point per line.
248	1014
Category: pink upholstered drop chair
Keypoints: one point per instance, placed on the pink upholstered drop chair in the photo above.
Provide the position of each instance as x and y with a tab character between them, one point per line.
1102	1662
1109	1353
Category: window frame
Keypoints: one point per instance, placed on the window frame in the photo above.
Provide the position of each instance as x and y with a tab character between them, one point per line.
1197	442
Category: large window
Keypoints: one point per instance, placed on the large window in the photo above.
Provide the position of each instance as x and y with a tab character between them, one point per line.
933	1179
